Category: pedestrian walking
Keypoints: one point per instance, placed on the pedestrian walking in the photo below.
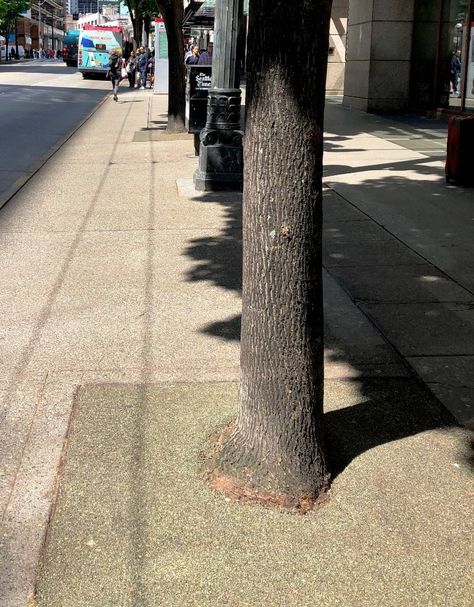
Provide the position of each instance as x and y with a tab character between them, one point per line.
455	71
115	72
131	70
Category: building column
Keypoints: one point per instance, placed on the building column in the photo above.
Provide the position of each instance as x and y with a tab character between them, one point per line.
379	49
220	152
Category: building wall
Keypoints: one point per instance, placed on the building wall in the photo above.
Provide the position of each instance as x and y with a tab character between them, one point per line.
379	51
47	23
423	91
87	6
72	7
337	48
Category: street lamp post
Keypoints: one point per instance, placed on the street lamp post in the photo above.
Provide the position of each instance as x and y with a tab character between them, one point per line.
220	152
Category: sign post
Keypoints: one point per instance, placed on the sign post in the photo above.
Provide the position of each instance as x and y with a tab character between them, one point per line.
161	58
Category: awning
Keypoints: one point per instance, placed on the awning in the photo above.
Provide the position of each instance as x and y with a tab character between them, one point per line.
200	13
207	9
192	19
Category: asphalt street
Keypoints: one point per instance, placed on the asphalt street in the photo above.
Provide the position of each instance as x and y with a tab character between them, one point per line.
40	104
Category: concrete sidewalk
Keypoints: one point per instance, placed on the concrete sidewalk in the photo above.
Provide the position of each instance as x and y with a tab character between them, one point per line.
121	304
403	247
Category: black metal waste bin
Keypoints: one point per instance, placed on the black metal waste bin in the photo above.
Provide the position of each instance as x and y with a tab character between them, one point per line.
198	82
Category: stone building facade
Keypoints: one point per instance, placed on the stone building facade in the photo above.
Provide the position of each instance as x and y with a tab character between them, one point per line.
399	54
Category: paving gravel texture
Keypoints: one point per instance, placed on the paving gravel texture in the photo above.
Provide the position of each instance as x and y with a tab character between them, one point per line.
136	523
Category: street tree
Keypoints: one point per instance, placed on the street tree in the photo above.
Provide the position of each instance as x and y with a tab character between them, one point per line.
172	12
275	450
141	14
10	10
135	10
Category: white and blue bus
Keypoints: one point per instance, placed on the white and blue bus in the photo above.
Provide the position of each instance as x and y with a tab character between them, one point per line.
95	44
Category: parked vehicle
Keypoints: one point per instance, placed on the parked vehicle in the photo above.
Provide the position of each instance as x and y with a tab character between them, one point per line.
70	48
95	44
3	51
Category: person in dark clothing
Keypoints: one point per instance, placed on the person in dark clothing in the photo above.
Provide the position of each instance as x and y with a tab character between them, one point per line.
115	72
193	58
455	71
151	69
142	64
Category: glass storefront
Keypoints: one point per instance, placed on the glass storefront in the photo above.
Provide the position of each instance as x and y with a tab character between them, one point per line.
442	74
461	67
469	68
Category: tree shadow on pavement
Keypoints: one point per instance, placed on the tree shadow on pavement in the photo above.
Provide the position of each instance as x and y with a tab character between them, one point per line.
218	258
389	406
390	409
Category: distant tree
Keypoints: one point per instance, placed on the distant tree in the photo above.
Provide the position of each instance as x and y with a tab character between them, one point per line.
10	10
135	9
275	451
172	12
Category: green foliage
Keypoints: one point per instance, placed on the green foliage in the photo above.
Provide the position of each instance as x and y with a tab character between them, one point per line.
142	7
9	11
149	8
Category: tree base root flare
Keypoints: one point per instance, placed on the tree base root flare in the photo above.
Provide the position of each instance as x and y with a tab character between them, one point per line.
237	491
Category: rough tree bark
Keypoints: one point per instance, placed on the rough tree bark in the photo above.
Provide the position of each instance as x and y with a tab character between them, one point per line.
275	451
138	27
147	25
172	12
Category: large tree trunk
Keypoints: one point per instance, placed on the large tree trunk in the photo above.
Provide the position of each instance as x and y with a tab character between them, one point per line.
147	26
136	19
275	452
138	28
173	13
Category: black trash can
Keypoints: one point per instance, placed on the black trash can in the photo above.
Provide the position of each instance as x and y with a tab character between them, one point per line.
198	82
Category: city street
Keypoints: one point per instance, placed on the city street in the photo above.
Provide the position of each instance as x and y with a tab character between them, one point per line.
120	303
40	103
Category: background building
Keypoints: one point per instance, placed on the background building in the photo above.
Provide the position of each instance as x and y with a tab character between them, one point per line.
87	6
399	54
42	26
72	7
337	47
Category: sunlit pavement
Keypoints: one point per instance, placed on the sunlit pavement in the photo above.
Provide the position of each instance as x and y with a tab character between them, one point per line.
120	301
40	103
